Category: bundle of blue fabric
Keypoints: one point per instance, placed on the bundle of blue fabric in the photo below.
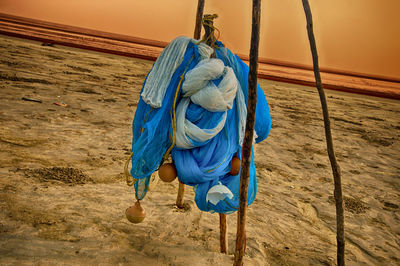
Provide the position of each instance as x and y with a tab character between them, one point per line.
197	106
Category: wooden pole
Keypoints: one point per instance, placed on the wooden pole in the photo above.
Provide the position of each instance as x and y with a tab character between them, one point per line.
209	30
222	233
248	137
209	36
181	194
199	16
331	153
197	32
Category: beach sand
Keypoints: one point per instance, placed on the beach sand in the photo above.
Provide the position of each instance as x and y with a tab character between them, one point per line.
63	194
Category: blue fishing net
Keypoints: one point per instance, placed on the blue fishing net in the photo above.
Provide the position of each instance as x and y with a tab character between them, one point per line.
209	162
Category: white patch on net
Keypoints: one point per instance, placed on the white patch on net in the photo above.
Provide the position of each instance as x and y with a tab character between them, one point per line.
217	193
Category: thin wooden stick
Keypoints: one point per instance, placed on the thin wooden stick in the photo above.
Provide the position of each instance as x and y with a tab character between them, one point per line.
208	24
208	28
222	233
248	137
331	153
199	16
197	32
181	194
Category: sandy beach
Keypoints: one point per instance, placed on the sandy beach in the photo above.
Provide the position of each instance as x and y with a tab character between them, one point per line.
65	135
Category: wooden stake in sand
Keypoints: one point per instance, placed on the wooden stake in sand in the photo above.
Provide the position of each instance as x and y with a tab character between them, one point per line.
197	32
209	36
248	137
329	143
181	193
199	17
222	233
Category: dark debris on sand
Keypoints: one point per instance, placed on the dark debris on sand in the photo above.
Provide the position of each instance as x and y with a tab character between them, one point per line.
67	175
352	205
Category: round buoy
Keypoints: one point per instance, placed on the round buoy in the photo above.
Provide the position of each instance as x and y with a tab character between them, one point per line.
235	167
167	172
135	214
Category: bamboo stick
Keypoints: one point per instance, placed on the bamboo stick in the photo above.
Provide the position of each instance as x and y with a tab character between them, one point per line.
248	137
331	153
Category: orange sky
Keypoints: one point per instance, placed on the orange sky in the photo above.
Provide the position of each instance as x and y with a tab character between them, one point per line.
358	35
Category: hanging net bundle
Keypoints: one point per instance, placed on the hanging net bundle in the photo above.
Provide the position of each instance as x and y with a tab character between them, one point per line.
194	108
